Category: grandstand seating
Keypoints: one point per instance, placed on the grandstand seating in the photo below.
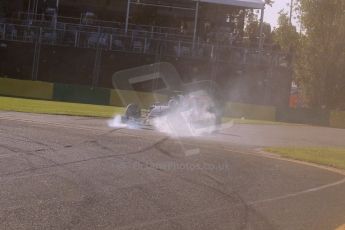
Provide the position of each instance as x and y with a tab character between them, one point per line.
138	39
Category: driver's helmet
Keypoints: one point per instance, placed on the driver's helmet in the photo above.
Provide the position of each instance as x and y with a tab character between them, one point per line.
173	103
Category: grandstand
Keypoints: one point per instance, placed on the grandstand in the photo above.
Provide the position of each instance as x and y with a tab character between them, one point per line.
196	22
205	32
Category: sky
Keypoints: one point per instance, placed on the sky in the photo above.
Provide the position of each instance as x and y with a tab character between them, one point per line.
271	13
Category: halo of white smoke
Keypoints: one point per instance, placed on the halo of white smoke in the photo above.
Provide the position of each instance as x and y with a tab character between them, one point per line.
192	116
116	122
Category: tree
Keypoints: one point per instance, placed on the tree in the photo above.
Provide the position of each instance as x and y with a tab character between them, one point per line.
252	28
320	66
269	2
285	35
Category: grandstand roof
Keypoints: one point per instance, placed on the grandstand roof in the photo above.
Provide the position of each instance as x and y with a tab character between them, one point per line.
257	4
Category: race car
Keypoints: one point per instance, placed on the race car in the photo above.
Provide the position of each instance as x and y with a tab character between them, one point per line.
188	114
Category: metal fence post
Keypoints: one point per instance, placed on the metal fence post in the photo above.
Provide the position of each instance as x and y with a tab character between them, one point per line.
245	56
4	32
76	39
37	51
110	42
145	44
97	66
179	49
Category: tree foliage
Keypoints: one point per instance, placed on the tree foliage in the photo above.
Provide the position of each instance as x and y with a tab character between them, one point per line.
252	28
320	65
285	35
269	2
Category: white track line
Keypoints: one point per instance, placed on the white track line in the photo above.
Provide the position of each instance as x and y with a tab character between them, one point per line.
290	195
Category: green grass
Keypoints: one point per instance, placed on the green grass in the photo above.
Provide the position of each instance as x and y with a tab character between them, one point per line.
60	108
334	157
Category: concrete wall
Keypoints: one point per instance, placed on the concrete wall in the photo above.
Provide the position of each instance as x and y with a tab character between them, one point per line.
304	116
81	94
76	93
26	89
248	111
337	119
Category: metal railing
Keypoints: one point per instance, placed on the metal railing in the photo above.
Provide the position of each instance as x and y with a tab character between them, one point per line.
154	32
113	39
31	17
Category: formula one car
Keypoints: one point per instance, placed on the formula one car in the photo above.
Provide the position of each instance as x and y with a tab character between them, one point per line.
191	114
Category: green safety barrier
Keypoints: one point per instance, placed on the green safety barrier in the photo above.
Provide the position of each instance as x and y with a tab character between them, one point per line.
81	94
26	89
304	116
102	96
249	111
125	97
337	119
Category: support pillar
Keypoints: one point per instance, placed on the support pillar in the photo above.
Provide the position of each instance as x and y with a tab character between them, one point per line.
195	23
261	30
127	15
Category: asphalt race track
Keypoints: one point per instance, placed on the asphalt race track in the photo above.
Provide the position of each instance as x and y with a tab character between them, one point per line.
59	172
